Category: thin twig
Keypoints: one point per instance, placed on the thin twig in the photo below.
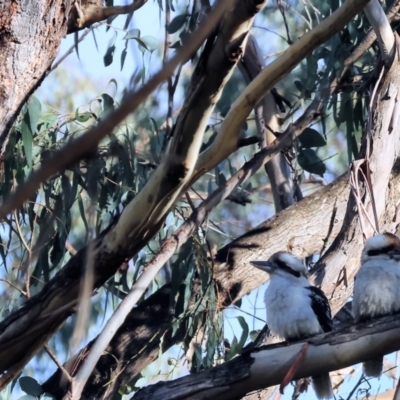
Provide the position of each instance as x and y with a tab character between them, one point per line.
59	365
355	387
13	286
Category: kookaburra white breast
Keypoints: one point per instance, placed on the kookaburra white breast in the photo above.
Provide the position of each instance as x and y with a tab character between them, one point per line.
295	308
377	285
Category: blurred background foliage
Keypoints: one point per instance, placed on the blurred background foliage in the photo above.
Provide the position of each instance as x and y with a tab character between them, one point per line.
74	207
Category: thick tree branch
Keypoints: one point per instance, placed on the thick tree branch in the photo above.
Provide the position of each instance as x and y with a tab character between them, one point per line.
267	123
380	24
227	139
44	313
268	365
143	216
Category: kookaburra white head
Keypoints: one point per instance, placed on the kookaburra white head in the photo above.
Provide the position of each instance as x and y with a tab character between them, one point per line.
382	246
283	264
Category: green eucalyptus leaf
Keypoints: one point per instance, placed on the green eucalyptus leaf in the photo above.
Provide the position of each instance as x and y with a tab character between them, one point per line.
109	56
149	43
83	117
312	67
309	161
299	85
132	34
110	20
15	380
108	103
30	386
76	43
358	114
123	56
27	141
311	138
34	111
245	332
177	23
95	40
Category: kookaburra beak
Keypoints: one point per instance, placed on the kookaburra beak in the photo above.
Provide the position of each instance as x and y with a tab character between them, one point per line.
263	265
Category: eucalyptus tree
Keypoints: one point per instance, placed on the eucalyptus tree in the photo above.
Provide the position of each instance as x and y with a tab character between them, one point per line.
104	203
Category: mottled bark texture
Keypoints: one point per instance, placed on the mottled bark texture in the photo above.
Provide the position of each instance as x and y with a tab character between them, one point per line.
30	36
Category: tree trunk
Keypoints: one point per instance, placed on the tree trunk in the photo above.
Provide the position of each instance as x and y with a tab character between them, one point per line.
30	36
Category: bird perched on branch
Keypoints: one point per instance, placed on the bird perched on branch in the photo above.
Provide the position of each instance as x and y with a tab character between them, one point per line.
377	285
295	308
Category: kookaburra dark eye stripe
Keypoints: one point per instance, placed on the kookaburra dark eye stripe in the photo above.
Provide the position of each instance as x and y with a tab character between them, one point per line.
382	250
283	266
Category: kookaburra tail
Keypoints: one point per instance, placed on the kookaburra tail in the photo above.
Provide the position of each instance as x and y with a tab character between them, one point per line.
295	308
377	285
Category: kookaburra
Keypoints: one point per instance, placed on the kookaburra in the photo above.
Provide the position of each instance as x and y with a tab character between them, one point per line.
377	286
295	308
